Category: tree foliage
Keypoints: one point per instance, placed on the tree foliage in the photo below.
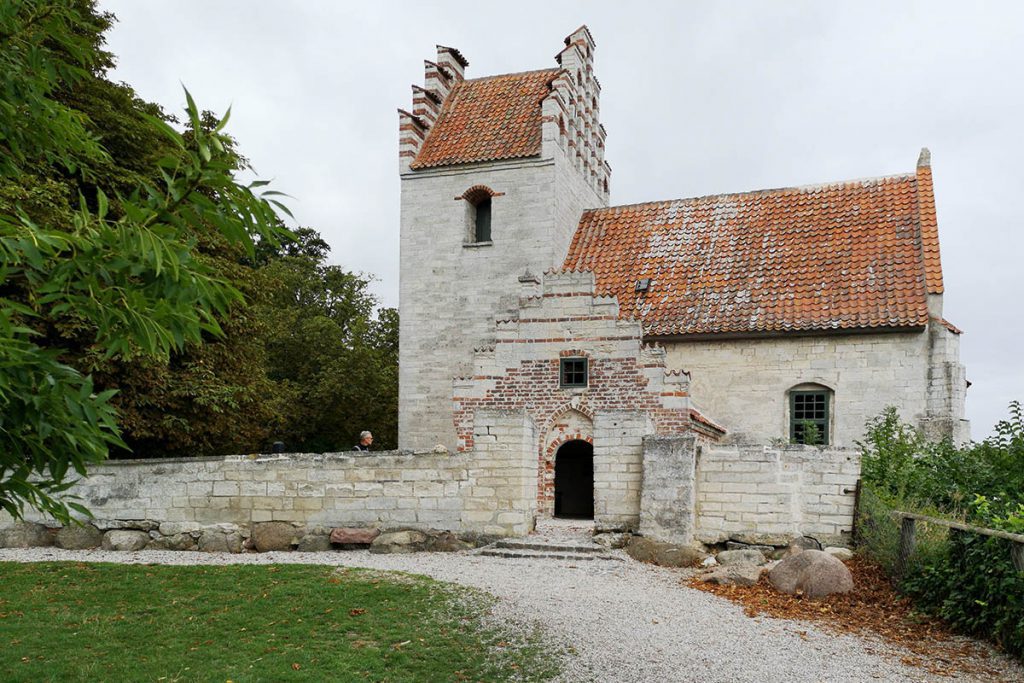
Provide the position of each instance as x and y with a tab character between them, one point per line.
122	270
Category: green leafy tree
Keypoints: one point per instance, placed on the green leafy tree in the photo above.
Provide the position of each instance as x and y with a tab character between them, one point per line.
133	276
330	355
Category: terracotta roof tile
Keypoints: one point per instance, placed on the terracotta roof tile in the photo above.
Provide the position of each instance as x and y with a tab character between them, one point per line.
830	257
484	119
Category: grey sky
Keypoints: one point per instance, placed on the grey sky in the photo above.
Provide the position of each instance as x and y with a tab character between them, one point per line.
697	97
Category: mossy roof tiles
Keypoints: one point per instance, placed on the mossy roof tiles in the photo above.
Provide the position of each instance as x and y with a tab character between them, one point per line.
844	256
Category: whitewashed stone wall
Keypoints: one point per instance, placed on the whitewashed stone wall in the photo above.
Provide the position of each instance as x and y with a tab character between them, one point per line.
744	383
759	494
693	490
490	490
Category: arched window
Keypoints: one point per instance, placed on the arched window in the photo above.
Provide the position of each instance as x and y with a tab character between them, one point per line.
478	213
810	414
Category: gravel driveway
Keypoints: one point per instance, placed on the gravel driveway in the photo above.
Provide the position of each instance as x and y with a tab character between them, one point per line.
626	621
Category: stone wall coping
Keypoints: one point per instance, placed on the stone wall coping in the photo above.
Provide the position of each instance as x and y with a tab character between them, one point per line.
279	457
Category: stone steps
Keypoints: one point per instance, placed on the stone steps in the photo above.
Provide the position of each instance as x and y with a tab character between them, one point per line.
540	549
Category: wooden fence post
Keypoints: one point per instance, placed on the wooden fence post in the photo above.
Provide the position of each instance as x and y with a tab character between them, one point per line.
1017	553
906	549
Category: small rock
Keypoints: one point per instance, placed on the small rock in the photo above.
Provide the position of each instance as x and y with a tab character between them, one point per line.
444	542
125	539
755	538
25	535
765	550
353	536
664	554
440	449
267	536
75	537
734	575
812	572
314	543
612	541
409	541
728	557
709	561
183	541
175	528
840	553
798	543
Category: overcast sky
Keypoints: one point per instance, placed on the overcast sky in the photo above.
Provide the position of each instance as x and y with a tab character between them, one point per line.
697	98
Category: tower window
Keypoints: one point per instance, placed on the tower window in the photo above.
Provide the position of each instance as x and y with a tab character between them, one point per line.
573	373
482	221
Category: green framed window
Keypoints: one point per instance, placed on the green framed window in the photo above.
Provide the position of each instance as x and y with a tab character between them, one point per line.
808	417
572	373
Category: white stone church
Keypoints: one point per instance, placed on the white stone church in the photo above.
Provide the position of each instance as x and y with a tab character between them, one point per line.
744	320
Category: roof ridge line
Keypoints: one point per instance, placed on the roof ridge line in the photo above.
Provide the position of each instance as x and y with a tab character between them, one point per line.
513	73
813	186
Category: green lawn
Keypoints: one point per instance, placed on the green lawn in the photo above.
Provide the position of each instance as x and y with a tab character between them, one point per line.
106	622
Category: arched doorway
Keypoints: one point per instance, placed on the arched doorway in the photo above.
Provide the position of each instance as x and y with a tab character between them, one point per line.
574	480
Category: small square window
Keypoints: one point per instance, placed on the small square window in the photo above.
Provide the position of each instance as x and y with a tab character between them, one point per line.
573	372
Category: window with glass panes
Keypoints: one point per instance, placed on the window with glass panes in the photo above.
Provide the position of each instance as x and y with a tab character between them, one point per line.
573	372
808	417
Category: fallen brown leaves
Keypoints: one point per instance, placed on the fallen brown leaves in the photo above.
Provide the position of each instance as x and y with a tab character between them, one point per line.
873	608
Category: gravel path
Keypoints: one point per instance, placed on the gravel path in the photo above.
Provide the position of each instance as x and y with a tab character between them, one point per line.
627	621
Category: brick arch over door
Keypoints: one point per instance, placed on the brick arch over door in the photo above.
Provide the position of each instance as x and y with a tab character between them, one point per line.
568	423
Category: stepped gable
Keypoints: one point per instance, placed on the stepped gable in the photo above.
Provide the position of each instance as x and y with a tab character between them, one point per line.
485	119
843	256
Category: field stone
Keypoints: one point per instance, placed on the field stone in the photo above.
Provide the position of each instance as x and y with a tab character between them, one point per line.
728	557
176	528
353	536
409	541
79	537
25	535
612	540
125	524
766	550
314	543
124	539
803	543
840	553
267	536
183	541
214	540
734	575
664	554
813	573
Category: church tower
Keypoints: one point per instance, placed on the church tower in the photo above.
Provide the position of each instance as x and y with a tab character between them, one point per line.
495	173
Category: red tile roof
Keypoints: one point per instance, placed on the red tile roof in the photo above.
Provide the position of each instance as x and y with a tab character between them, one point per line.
859	254
484	119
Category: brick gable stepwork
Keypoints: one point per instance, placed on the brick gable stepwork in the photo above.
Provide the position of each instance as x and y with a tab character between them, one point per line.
630	391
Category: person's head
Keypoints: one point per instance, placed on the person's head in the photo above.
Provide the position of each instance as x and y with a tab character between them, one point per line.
365	438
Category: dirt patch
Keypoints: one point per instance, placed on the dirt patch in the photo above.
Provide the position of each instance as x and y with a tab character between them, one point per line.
873	608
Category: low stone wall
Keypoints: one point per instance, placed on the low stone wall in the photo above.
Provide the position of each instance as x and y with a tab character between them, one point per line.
693	490
760	494
491	490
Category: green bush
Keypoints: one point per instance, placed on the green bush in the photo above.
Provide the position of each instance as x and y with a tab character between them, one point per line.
967	579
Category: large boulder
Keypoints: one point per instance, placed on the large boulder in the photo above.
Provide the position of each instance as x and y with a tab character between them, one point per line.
123	539
25	535
752	557
353	536
79	537
734	575
268	536
813	573
664	554
409	541
218	540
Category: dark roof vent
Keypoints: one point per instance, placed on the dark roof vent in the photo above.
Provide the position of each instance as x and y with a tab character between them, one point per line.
643	284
